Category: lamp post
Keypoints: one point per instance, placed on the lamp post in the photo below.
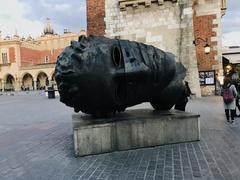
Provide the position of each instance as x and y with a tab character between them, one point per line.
207	48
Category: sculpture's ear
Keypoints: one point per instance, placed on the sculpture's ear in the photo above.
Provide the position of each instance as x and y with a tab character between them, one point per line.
82	38
79	45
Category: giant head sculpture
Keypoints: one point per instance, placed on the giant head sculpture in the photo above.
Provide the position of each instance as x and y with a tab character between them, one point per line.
101	76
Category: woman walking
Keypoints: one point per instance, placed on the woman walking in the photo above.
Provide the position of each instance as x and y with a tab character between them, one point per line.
229	99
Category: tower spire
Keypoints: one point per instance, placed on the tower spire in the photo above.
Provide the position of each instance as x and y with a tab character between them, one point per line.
48	27
16	36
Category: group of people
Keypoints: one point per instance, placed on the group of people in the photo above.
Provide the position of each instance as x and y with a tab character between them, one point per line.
230	93
231	96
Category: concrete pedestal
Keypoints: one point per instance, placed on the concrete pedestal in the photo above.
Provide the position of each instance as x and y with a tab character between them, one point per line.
133	129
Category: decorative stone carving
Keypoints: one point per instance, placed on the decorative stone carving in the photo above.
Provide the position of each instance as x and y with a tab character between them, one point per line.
223	7
134	3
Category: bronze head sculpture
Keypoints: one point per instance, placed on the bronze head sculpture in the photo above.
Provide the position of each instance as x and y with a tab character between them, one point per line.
100	76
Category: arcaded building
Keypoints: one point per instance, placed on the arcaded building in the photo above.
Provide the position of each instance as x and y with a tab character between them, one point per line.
183	27
27	63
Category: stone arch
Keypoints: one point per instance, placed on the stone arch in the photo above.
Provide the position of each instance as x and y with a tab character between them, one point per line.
9	84
42	80
27	82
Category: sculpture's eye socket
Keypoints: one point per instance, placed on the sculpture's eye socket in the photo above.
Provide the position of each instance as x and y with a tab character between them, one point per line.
117	56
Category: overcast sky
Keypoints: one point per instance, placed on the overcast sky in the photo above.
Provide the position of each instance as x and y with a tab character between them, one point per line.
29	16
231	24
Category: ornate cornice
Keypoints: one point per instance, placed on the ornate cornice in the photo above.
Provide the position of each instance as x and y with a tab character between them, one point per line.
9	42
38	66
135	3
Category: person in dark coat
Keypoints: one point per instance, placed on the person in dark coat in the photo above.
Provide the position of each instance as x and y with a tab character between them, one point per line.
182	101
230	107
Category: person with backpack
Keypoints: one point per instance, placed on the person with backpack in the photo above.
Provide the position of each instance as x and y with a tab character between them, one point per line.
229	99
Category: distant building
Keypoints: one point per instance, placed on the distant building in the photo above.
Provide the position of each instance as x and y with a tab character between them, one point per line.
171	25
231	61
28	63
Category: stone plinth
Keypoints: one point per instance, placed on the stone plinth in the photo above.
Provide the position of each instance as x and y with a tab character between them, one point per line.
133	129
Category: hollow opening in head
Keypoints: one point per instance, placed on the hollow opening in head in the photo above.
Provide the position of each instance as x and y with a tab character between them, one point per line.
117	56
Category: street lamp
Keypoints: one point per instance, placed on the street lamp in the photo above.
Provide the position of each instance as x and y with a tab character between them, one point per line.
207	48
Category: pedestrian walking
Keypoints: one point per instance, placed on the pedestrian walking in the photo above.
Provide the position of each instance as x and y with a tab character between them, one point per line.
229	99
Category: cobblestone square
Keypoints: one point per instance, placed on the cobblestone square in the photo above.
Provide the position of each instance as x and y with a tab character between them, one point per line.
36	143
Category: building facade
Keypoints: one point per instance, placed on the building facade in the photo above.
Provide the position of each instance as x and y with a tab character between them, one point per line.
231	61
169	25
29	64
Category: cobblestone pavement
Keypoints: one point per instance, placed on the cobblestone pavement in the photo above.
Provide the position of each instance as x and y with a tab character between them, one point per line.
36	143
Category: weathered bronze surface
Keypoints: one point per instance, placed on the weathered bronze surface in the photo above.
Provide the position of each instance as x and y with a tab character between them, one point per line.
101	76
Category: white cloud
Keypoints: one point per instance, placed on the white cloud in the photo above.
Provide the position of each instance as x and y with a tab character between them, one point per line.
231	24
231	39
12	18
62	7
233	20
56	7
